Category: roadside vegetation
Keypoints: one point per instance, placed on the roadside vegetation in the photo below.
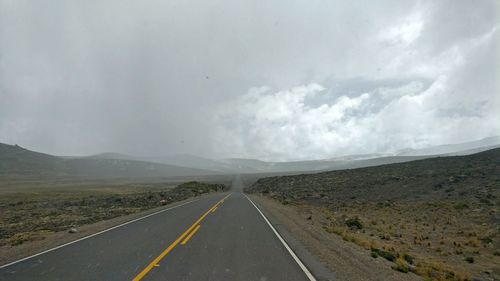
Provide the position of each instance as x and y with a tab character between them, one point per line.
33	214
437	218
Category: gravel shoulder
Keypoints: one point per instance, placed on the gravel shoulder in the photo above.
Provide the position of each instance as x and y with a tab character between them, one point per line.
346	260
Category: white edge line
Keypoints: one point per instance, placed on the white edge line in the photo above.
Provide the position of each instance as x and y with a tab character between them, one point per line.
290	251
95	234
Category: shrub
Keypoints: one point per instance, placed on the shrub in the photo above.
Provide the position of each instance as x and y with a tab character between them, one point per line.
333	229
354	223
385	254
385	236
401	266
486	240
461	206
408	258
469	259
432	270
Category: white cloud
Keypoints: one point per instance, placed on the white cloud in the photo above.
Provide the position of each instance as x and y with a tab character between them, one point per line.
405	32
461	103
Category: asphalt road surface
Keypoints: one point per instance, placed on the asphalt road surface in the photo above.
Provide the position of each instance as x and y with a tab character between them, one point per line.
218	237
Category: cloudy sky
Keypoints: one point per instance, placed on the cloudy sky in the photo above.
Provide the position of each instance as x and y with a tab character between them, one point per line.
275	80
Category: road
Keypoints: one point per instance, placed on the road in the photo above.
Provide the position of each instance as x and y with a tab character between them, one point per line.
218	237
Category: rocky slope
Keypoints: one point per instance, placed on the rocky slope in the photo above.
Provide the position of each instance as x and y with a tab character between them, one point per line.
435	217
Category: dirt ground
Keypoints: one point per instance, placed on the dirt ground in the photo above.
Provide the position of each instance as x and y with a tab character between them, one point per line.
347	260
437	218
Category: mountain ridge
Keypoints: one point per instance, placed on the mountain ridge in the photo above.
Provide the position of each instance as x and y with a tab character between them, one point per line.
202	165
15	160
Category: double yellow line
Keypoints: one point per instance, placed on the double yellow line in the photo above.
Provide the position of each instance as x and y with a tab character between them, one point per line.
183	239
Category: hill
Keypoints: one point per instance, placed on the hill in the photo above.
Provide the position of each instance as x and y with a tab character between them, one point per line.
247	165
455	149
15	160
436	217
416	179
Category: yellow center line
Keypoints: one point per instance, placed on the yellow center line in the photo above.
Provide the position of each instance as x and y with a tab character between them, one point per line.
213	210
175	243
190	235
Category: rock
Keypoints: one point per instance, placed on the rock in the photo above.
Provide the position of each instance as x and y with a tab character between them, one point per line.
73	230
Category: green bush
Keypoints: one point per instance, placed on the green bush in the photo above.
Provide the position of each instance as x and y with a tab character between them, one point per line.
461	206
401	268
469	259
385	254
354	223
408	258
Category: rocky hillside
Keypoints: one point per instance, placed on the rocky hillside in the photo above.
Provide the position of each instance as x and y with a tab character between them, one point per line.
438	218
474	176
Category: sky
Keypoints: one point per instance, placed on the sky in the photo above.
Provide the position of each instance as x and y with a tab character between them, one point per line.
274	80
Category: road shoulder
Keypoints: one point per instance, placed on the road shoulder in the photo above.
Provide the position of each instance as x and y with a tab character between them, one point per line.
323	252
317	268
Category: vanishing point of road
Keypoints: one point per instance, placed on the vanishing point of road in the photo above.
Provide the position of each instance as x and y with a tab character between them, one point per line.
222	236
